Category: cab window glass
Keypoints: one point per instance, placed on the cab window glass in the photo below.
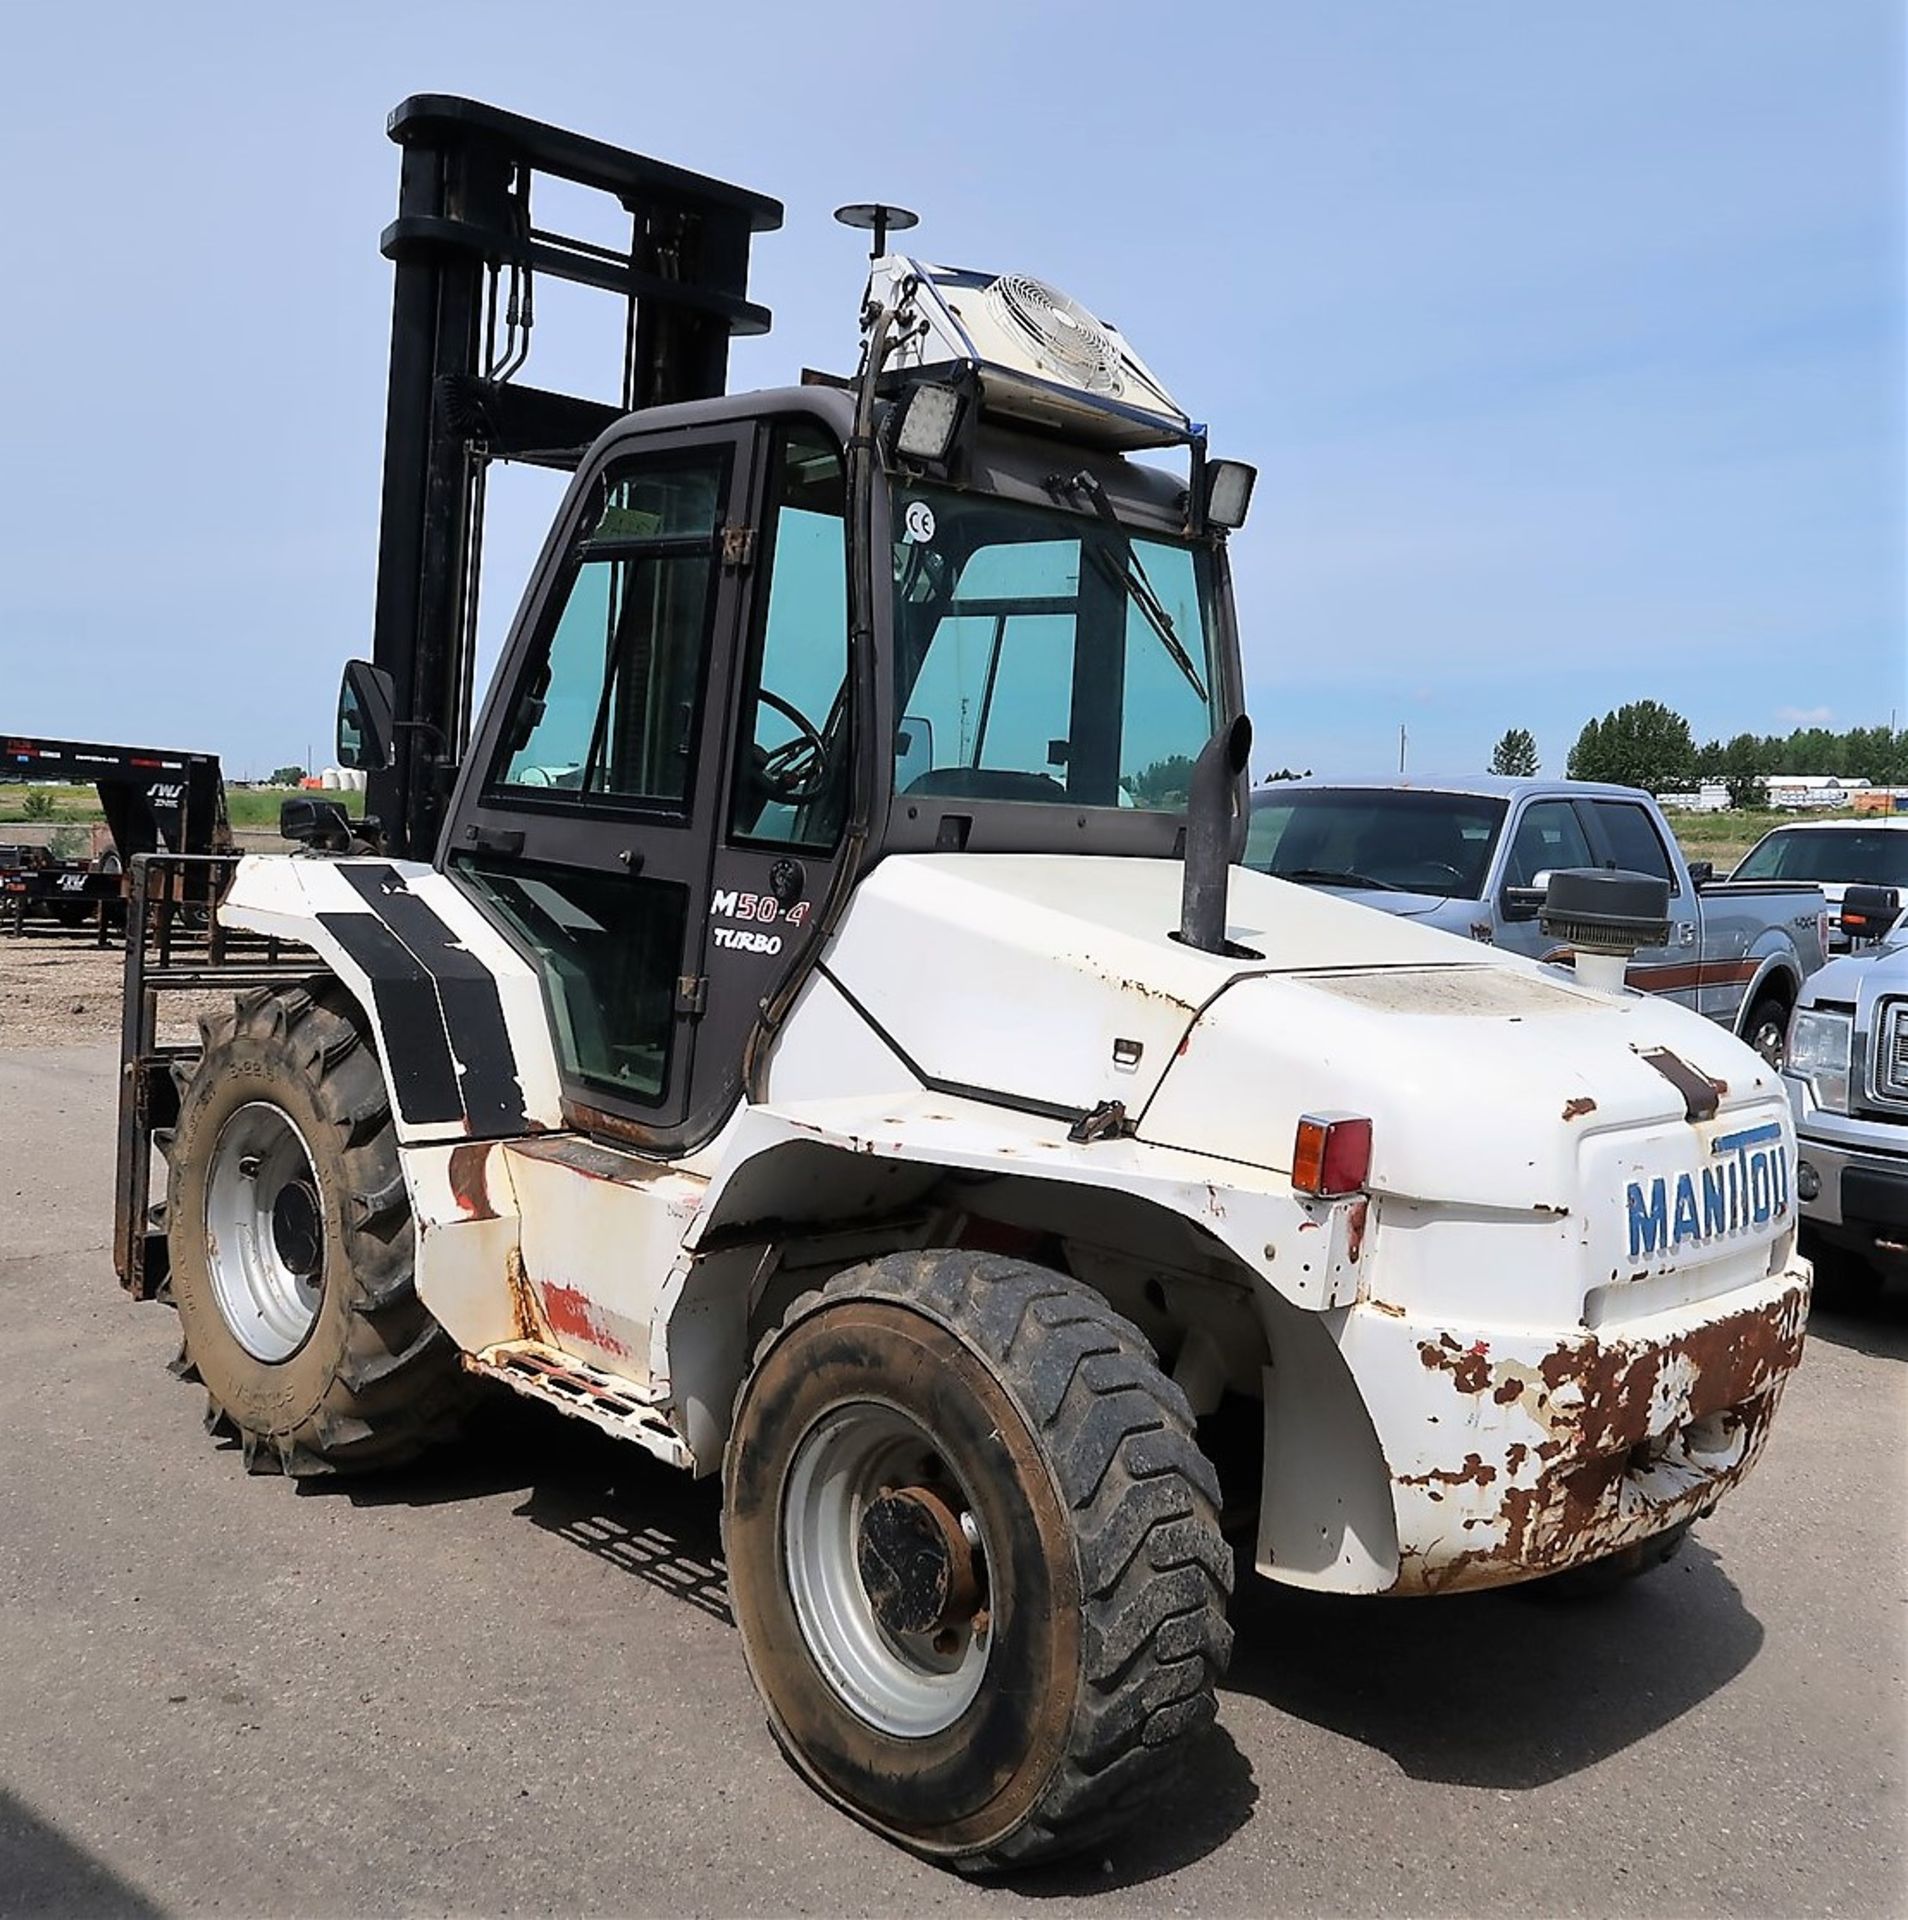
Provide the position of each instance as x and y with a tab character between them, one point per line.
1549	839
1634	842
1042	656
791	777
608	705
609	948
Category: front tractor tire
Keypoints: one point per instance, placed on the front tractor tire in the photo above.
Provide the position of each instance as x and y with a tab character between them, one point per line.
974	1555
290	1246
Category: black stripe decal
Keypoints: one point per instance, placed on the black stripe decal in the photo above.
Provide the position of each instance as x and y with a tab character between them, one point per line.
471	1009
423	1076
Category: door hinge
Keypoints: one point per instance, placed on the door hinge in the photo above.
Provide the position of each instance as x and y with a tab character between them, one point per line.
692	994
738	548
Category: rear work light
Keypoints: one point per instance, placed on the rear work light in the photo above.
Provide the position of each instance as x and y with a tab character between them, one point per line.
1331	1154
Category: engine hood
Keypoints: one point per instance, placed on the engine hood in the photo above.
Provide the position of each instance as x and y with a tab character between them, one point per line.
1482	1082
1055	980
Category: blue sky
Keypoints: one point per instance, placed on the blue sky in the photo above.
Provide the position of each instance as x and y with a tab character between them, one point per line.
1568	339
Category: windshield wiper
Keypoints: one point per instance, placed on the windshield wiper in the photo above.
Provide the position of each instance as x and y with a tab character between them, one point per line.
1335	877
1131	575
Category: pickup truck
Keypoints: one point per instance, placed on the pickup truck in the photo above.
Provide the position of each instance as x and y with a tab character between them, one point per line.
1474	857
1869	851
1847	1080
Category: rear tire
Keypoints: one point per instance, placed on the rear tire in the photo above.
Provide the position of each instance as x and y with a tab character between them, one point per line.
290	1246
974	1554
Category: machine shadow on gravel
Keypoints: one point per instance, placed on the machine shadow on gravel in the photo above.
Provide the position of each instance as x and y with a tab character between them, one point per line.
664	1529
1868	1321
46	1873
1496	1689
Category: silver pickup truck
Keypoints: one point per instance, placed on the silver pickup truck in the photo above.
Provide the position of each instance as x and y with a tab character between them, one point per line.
1474	856
1847	1076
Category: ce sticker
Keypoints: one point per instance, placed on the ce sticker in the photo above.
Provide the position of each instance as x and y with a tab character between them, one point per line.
920	522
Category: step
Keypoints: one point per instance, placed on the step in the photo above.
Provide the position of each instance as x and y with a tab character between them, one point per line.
555	1378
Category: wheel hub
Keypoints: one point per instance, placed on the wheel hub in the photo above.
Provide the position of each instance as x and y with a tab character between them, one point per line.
298	1230
915	1561
265	1231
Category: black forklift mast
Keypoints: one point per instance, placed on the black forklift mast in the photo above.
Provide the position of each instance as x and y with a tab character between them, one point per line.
468	254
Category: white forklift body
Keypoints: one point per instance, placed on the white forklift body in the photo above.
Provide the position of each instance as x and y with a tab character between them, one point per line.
1524	1343
810	1023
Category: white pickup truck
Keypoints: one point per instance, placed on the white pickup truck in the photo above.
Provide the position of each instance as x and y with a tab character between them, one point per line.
1847	1076
1472	856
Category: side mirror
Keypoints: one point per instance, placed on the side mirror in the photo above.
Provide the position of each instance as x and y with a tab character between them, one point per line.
1525	903
367	706
1868	912
1701	872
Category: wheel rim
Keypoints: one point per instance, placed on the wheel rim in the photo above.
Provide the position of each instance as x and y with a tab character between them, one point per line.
887	1568
1767	1039
264	1232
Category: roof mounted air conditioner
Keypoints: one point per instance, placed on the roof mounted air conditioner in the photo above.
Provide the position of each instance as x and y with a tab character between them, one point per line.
1040	355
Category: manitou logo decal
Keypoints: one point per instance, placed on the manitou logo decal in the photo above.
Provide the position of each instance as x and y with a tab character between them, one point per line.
1748	1186
727	904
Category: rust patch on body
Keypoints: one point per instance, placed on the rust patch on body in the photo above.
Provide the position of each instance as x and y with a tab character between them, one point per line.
524	1311
1577	1108
1473	1470
1469	1368
1642	1436
469	1180
1355	1229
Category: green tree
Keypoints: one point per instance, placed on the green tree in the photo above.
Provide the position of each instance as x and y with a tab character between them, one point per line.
1644	744
286	776
1164	784
1515	753
1744	762
38	805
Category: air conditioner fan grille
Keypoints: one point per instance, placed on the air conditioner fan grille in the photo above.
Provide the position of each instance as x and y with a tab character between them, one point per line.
1065	337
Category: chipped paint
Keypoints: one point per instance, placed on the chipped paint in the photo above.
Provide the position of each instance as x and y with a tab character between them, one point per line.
1623	1439
1577	1108
469	1176
571	1315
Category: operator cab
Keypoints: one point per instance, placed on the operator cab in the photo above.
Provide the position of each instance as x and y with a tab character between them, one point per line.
751	661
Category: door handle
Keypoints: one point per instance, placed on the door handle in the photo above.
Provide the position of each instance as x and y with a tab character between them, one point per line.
1685	933
503	840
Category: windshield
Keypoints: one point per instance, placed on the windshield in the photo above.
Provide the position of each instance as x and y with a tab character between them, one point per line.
1043	656
1370	837
1862	856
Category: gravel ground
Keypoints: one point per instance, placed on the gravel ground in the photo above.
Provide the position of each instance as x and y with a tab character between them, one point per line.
59	988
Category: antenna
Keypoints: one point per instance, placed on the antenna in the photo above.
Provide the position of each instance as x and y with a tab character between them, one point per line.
873	216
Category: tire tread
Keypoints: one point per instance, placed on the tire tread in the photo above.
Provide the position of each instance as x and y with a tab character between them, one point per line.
1155	1571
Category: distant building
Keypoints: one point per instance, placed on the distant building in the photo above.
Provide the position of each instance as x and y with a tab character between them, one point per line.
1711	797
1801	791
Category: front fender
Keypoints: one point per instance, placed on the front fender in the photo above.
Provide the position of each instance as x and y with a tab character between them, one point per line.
784	1164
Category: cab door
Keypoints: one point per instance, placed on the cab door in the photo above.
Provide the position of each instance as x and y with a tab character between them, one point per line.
589	808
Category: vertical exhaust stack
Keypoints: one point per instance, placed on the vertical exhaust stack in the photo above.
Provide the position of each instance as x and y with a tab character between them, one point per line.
1210	813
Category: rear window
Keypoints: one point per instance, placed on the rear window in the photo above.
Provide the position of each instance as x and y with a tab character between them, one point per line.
1859	856
1372	837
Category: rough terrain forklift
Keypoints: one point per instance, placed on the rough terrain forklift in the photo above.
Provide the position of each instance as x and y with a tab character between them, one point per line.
809	1024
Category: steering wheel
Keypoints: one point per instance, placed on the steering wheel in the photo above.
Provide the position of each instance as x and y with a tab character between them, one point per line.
797	770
